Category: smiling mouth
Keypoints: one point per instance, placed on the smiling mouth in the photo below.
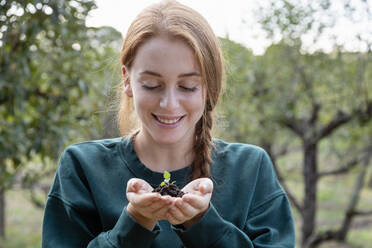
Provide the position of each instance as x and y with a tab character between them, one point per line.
168	121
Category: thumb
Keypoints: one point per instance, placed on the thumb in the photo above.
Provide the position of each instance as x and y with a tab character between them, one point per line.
206	187
135	185
132	185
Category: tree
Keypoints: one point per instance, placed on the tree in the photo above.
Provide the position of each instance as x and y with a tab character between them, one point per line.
301	97
47	56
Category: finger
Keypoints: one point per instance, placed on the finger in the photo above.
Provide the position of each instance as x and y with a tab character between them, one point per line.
138	185
199	186
131	185
134	185
196	201
159	209
174	217
143	199
206	187
161	203
161	213
186	209
177	213
153	209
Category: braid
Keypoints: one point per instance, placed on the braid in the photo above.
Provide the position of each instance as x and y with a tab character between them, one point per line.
203	146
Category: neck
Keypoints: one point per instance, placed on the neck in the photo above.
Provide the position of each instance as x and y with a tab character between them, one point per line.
160	157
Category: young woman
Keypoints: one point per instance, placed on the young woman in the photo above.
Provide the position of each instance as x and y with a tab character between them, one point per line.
102	192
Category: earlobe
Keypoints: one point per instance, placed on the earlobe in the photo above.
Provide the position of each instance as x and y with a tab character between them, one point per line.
128	89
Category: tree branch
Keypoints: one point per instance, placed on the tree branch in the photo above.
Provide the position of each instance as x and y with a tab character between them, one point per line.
364	113
268	147
295	125
362	213
364	155
344	169
320	237
315	113
340	119
282	181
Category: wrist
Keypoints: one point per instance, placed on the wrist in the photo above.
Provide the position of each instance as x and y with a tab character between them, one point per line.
141	219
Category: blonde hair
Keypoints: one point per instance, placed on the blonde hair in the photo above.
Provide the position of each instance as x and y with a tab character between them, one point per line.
181	22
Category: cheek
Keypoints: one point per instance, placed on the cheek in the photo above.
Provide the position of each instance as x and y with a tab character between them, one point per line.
142	102
142	98
195	105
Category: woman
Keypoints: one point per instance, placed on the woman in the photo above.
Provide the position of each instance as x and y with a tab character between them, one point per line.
102	194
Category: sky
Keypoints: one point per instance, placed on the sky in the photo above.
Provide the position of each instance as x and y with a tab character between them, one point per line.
225	17
233	18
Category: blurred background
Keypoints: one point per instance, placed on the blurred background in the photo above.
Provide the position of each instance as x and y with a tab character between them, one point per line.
299	84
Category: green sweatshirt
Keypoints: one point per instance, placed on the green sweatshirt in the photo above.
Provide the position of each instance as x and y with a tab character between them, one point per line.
86	206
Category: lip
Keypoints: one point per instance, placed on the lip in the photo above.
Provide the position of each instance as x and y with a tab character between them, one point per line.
173	125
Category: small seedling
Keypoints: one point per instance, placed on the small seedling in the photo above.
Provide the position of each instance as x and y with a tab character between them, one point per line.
166	188
166	176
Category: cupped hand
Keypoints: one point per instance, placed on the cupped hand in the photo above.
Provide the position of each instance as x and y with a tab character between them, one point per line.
145	206
191	207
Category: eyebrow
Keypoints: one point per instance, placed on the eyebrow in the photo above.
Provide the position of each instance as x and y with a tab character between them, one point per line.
190	74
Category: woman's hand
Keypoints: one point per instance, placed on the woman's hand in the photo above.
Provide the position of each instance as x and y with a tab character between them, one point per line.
189	209
146	207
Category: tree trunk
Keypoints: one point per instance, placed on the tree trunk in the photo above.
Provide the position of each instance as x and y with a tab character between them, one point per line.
359	183
2	214
370	181
310	174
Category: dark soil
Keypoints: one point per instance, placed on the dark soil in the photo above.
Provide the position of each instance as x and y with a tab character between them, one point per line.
169	189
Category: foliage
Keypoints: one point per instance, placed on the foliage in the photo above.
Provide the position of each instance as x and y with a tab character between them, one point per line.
50	63
53	82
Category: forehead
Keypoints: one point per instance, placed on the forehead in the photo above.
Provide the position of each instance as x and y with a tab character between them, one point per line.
166	54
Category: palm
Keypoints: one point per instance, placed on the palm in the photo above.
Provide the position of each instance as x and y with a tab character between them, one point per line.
191	207
144	204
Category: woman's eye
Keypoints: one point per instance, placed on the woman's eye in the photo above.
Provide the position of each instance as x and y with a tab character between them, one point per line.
188	89
149	87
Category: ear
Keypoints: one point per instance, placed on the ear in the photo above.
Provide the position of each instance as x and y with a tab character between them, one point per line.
127	87
124	71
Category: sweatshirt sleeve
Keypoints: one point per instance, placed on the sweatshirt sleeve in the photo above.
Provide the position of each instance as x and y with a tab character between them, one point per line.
268	224
71	220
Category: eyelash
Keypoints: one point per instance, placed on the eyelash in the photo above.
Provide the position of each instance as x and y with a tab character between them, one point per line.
188	89
183	88
149	87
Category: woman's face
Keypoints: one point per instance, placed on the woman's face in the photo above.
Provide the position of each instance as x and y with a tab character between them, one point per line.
166	86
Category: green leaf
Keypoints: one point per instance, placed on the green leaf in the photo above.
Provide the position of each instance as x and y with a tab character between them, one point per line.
162	184
166	175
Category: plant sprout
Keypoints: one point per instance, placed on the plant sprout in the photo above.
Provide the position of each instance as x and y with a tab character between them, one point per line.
167	177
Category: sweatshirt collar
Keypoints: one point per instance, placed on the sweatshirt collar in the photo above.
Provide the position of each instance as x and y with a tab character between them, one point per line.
139	170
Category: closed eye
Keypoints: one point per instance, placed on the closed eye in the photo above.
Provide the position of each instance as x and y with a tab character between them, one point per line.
188	89
150	87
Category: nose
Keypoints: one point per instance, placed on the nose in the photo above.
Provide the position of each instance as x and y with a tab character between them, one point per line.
169	100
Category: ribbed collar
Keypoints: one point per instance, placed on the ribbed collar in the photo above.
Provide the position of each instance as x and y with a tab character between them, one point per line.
139	170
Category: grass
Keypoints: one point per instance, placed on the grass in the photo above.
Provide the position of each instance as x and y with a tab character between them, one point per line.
23	221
